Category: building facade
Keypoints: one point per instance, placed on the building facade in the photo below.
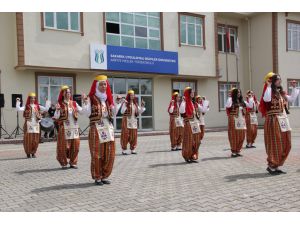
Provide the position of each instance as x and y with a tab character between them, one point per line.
42	51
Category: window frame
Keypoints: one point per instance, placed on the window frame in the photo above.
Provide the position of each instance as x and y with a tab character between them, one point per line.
140	96
184	80
288	88
287	35
237	84
203	29
80	23
161	36
47	74
230	27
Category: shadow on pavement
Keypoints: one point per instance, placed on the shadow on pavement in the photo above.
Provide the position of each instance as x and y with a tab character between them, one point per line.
168	164
245	176
216	158
62	187
38	171
12	159
163	151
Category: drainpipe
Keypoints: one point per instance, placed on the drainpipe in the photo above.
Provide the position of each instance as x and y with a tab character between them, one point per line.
249	52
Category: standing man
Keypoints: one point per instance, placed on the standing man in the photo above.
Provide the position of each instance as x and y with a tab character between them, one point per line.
277	130
32	115
251	118
130	110
100	109
176	123
191	137
68	141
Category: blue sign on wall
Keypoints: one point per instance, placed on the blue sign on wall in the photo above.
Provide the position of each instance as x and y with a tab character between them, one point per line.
141	60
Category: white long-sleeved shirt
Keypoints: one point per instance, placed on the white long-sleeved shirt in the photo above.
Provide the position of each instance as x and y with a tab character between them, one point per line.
182	107
139	109
204	107
291	98
171	109
70	114
86	109
42	108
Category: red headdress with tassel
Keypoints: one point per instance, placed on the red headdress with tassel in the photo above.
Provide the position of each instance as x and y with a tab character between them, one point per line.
101	78
262	106
188	101
32	94
174	95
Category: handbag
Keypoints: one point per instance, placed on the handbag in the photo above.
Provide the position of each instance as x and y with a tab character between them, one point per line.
179	122
105	131
131	123
253	118
284	123
240	123
195	127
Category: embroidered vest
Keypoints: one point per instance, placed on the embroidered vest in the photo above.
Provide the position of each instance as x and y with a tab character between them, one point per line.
96	109
175	111
128	111
64	114
28	113
276	105
234	109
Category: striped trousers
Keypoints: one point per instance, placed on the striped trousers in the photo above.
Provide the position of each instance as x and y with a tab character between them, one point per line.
251	130
31	141
102	155
277	143
236	137
66	149
128	136
191	143
176	133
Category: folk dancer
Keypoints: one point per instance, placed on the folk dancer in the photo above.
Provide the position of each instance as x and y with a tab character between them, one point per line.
277	130
203	107
130	110
176	123
236	109
191	137
68	141
251	119
32	115
99	107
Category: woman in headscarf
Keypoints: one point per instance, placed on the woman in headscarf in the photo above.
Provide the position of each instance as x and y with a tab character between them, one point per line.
32	115
277	130
176	123
191	137
203	108
251	118
130	110
100	109
66	116
236	109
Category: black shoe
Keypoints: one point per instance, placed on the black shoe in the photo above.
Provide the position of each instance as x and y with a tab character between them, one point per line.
248	146
74	166
233	155
64	167
238	155
253	146
173	149
133	152
272	172
188	161
98	182
33	156
194	161
178	149
124	153
28	156
280	171
105	181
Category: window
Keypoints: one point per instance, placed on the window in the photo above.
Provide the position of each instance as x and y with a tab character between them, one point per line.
297	101
134	30
293	36
49	87
222	46
143	90
181	85
224	89
68	21
191	30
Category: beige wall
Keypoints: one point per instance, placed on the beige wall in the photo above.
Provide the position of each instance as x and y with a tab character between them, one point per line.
288	61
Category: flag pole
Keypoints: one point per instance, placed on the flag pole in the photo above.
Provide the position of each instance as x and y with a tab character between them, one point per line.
237	52
226	51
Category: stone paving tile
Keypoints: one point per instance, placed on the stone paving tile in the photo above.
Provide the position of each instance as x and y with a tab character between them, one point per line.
154	180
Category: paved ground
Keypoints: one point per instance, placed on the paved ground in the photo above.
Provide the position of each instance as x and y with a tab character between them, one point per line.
154	180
